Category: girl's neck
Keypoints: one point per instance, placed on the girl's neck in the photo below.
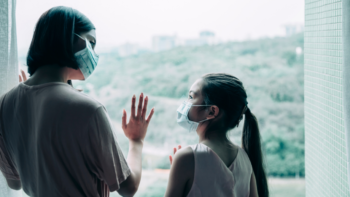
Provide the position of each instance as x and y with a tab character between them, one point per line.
214	140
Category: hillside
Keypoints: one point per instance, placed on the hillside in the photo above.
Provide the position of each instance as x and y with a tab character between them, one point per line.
270	70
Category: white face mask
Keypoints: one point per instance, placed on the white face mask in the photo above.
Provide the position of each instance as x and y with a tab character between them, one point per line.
182	117
87	59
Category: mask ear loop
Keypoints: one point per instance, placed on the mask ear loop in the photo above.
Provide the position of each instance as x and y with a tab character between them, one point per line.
205	119
79	36
184	102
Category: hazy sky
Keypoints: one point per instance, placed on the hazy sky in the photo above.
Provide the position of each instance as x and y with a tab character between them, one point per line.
136	21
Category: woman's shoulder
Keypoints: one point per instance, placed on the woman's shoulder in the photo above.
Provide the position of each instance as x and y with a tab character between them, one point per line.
71	98
84	98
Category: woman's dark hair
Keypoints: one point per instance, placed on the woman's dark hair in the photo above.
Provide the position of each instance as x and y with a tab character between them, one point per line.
53	38
228	94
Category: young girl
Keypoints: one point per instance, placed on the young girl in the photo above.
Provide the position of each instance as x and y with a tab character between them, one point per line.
215	166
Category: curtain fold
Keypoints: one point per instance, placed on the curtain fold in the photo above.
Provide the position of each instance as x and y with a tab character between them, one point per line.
346	77
8	65
8	46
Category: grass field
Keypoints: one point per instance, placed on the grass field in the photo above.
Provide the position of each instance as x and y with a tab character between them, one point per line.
154	183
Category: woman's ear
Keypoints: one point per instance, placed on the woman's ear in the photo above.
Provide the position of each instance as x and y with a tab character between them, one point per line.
213	112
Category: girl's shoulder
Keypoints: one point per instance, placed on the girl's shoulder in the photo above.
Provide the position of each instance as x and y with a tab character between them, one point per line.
184	155
244	160
184	162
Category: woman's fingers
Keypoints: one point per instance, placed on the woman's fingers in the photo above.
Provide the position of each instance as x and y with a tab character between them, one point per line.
150	115
139	107
179	147
24	75
20	78
124	119
133	100
144	110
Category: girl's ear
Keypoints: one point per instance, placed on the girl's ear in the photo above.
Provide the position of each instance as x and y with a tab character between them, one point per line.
213	112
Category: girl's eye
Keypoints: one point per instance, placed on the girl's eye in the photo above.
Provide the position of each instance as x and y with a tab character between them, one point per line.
189	96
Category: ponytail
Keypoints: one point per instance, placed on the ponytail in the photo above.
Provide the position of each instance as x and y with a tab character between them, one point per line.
252	145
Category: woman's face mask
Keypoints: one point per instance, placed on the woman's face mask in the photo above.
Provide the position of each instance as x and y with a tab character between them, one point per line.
87	59
182	116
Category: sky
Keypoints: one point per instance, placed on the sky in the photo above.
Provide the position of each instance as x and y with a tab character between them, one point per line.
136	21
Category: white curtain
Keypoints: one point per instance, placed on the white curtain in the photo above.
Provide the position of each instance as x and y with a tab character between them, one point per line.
346	77
8	46
8	65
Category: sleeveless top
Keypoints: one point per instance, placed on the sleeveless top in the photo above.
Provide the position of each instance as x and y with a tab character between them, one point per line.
213	178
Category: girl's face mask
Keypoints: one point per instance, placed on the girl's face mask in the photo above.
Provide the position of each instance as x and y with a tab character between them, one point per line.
87	59
182	116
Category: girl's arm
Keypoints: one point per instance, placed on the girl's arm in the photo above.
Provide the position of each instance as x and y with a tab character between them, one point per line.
253	188
182	170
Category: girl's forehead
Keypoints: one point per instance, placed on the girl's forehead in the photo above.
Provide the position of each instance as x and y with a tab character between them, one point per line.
197	86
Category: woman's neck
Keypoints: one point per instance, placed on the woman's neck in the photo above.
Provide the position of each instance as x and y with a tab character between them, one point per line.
47	74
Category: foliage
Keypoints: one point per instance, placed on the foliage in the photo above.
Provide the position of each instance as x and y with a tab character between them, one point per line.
270	69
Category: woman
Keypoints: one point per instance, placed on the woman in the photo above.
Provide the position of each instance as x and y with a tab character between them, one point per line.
56	141
215	166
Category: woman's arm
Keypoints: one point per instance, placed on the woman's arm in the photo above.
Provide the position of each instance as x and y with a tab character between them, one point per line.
182	170
130	186
253	188
135	131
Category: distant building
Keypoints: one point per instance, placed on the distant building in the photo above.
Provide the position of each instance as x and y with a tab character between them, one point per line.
127	49
205	38
161	43
291	29
206	34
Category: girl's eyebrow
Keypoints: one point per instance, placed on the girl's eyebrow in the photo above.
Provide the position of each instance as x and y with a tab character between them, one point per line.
193	92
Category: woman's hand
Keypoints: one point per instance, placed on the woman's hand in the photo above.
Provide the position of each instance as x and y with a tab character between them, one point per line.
22	78
170	157
136	129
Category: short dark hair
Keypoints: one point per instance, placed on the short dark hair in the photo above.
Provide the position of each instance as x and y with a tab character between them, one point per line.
53	38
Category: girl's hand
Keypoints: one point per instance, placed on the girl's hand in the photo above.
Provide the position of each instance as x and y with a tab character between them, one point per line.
136	129
170	157
22	78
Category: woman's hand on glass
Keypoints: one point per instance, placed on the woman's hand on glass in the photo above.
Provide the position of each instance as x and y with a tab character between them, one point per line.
22	78
136	129
175	150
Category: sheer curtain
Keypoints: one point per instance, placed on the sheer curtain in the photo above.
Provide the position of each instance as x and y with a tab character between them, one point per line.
8	65
346	76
